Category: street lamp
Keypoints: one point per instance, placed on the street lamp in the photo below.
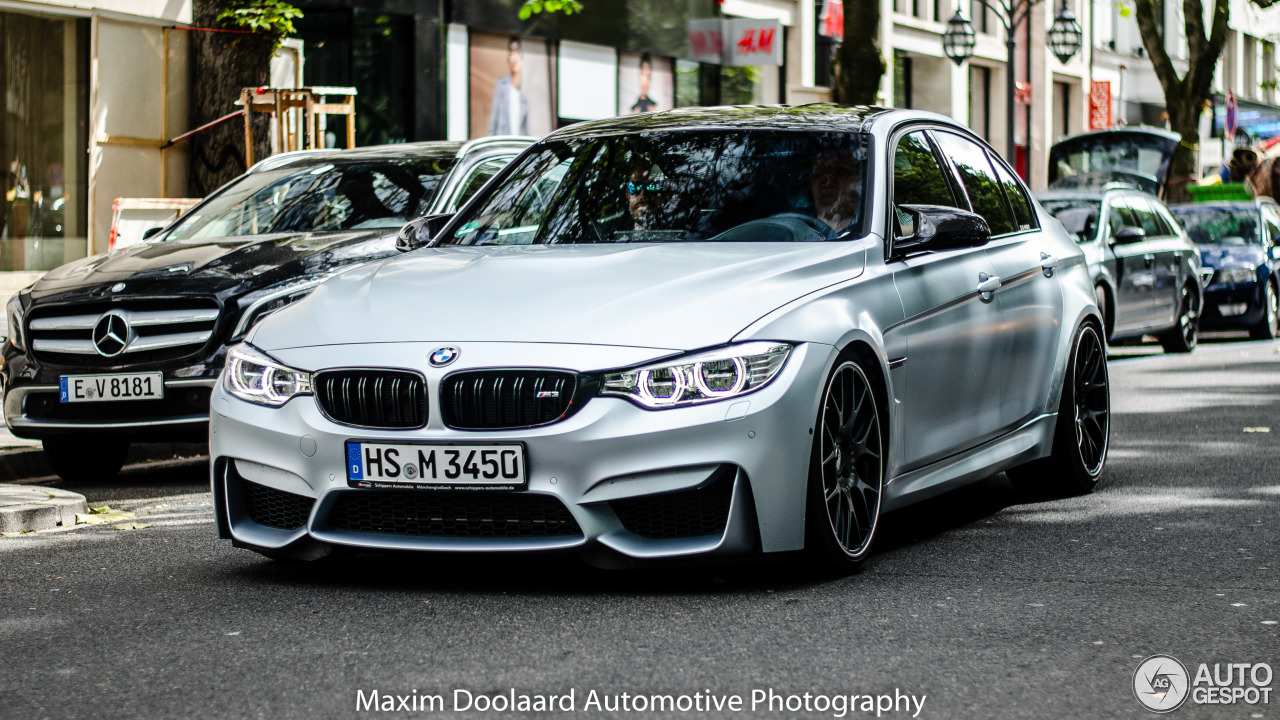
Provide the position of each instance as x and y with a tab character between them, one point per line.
1065	39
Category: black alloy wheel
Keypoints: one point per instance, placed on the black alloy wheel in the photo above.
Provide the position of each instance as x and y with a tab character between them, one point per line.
1182	337
846	478
1269	326
1083	428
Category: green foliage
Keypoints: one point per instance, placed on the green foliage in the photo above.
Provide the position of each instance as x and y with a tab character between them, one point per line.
533	7
270	18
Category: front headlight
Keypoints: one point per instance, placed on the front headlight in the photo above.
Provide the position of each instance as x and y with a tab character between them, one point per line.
13	313
1236	275
706	377
257	306
254	376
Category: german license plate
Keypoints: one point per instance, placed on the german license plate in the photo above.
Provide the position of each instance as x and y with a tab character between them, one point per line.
481	467
122	386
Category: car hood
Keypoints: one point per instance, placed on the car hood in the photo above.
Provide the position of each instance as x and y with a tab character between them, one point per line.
1216	256
183	266
678	296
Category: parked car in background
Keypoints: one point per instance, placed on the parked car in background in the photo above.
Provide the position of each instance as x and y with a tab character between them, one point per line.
697	333
1146	272
1237	244
1136	155
125	347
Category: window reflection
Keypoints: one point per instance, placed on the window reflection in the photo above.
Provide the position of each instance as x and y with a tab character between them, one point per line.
918	179
980	182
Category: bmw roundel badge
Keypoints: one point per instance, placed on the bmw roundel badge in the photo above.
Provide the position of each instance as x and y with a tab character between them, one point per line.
443	356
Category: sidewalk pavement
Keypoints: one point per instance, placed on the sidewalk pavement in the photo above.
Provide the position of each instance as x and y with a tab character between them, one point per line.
26	508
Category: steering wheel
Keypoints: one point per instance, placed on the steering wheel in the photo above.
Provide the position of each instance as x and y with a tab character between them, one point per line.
820	227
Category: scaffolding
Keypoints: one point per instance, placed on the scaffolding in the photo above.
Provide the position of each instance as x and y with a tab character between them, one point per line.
297	114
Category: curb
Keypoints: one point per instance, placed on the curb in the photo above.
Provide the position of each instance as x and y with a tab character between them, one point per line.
29	462
28	508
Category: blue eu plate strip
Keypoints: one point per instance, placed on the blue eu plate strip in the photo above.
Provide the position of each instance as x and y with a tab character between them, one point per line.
63	383
355	468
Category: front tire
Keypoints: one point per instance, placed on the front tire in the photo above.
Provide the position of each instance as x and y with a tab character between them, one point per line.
83	460
1269	326
1183	336
846	471
1084	423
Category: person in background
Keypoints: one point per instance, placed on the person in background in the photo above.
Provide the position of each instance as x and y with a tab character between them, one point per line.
644	103
509	110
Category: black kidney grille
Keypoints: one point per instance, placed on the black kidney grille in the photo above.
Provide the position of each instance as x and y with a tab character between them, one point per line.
443	513
373	398
683	514
506	399
276	508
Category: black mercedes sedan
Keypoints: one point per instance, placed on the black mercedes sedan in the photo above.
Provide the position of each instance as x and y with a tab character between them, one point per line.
125	347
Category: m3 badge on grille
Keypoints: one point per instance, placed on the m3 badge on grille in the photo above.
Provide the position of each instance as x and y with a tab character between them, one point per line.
443	356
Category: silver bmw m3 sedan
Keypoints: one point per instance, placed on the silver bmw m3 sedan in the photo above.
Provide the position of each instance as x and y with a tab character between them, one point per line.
687	334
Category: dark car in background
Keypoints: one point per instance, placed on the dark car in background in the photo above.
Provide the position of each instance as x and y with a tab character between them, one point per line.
126	347
1146	272
1138	156
1237	243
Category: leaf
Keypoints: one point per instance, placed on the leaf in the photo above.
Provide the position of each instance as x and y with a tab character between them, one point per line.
104	514
132	526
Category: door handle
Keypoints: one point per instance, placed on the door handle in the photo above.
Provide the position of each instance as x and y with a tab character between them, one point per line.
1048	263
987	284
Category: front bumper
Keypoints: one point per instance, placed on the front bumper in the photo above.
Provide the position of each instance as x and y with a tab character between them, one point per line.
1222	305
34	411
607	465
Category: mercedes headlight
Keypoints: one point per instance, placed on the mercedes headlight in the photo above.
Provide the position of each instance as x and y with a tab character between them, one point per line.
258	305
1236	275
254	376
13	313
705	377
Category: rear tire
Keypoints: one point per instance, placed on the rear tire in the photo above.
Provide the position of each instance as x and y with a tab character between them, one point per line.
1269	326
1084	423
83	460
846	471
1183	336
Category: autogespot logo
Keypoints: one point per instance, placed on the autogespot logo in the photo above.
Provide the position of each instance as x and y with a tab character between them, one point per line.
1160	683
443	356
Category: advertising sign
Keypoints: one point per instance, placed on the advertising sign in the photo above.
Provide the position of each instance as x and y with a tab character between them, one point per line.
1099	105
737	41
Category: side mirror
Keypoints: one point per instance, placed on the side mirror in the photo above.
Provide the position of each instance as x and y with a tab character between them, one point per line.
418	233
942	228
150	231
1129	234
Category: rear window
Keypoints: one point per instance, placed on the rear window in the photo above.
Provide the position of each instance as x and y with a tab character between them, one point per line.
1078	216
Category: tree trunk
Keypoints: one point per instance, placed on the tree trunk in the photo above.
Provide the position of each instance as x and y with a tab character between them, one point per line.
222	64
859	64
1184	119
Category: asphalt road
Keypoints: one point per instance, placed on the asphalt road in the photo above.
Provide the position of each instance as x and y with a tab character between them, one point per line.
990	602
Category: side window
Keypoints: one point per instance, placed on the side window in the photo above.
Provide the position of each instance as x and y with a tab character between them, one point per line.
1017	196
918	179
1272	220
1145	216
480	175
980	182
1166	218
1120	216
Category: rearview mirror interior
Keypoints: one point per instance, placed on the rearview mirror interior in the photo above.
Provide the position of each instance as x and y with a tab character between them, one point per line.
418	233
936	227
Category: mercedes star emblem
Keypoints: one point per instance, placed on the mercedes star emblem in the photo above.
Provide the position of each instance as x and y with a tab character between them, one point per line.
111	334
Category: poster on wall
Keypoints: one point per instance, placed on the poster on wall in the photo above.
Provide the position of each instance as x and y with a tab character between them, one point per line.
510	82
646	83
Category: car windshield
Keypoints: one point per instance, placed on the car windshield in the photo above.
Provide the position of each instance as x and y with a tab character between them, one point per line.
1078	215
333	196
1219	226
684	186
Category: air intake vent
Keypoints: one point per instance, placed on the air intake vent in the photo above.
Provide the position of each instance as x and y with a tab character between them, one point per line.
276	508
464	514
386	399
507	399
682	514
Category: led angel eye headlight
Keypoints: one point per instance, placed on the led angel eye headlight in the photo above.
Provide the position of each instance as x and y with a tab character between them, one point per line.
704	377
256	377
